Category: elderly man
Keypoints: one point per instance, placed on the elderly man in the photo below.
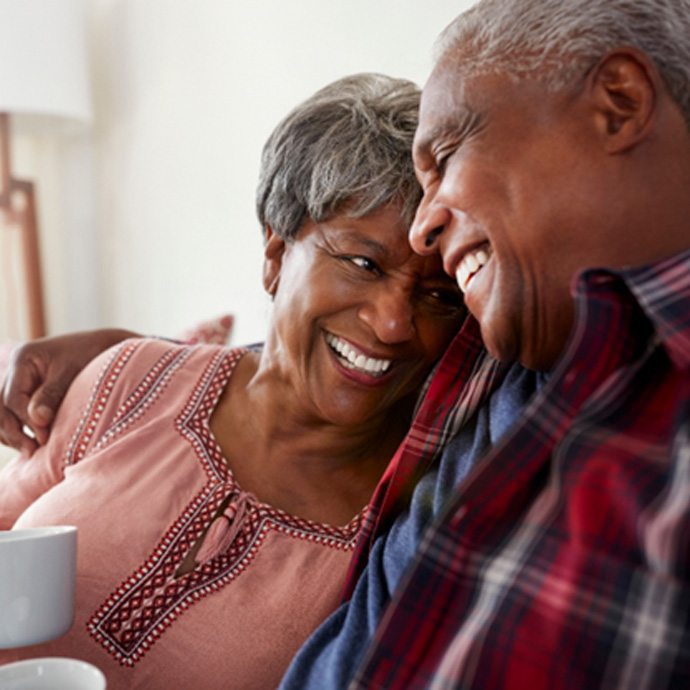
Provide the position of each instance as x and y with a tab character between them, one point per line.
554	153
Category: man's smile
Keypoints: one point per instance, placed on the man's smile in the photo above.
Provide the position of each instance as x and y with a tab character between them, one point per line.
471	263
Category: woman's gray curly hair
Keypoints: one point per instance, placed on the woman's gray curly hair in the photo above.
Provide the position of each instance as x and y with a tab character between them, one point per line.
557	41
346	150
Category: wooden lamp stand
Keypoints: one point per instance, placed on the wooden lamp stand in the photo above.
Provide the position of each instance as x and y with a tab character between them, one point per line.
18	204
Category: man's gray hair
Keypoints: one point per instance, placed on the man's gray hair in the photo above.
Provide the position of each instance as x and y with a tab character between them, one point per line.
346	150
558	41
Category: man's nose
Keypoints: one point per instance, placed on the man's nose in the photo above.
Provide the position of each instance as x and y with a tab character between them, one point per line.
427	227
390	314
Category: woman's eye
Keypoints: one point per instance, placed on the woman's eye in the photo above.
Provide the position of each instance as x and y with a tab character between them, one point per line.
446	300
363	262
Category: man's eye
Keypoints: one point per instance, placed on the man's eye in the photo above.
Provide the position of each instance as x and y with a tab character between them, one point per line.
440	164
441	158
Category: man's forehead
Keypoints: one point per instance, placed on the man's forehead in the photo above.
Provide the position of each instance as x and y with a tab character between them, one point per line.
444	106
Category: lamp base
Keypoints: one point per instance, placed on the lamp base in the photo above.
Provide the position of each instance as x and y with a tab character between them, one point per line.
18	201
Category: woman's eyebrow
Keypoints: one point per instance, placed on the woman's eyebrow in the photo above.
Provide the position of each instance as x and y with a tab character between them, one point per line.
354	238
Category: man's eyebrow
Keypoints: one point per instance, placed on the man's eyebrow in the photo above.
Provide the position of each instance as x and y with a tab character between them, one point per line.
422	145
461	121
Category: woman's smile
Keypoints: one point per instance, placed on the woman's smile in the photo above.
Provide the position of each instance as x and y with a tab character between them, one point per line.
348	356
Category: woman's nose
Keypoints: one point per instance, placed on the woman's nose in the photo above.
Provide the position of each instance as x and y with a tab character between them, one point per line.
390	315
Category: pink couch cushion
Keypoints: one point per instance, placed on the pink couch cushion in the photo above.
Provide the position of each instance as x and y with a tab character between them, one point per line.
215	331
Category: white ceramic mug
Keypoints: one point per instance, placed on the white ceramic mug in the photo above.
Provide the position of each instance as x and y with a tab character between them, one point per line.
51	673
37	581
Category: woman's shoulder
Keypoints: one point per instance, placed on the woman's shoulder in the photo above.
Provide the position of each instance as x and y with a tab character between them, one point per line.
136	378
137	361
141	353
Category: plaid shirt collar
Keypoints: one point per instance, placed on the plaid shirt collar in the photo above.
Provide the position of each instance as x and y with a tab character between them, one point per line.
662	291
461	381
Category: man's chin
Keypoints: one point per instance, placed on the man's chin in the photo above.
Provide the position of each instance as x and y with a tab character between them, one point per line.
500	346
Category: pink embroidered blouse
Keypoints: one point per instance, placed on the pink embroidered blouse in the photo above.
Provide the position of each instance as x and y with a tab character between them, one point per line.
132	463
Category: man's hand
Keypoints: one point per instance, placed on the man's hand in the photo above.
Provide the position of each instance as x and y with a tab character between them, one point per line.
37	378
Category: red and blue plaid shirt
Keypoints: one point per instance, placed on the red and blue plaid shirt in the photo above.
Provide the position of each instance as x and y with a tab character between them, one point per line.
563	560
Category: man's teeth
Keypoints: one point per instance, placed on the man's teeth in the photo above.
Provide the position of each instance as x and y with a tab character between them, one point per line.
470	264
353	359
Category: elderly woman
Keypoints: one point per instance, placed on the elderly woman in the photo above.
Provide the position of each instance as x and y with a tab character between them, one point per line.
218	492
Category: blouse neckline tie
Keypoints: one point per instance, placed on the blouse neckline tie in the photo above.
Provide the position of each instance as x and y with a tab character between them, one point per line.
224	528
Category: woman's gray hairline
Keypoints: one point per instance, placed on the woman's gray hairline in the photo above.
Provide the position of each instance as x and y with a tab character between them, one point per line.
396	184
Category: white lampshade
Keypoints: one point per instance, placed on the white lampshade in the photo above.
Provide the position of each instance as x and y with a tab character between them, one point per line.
43	64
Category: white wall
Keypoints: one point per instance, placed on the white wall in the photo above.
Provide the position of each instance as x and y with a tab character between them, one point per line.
149	220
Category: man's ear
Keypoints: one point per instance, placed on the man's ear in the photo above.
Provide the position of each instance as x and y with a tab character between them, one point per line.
625	86
274	248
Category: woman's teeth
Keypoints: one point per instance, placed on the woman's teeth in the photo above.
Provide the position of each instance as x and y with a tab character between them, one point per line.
471	263
353	359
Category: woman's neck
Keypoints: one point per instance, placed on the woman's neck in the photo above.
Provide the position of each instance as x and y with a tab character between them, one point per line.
292	459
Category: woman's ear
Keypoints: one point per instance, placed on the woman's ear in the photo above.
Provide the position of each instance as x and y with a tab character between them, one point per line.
274	248
624	86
